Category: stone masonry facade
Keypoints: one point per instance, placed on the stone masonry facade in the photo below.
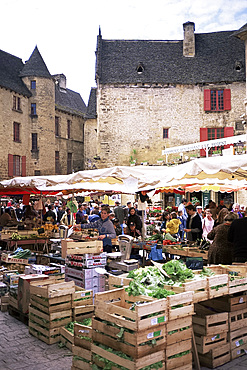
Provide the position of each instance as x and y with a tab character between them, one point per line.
131	119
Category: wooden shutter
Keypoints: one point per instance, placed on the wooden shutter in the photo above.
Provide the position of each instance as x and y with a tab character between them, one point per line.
228	131
227	100
10	165
203	137
207	101
23	165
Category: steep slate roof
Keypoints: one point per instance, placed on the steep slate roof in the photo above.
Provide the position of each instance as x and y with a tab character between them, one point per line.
163	61
35	66
91	108
69	101
10	67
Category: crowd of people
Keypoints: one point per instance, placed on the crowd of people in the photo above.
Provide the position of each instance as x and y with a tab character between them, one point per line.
224	229
109	222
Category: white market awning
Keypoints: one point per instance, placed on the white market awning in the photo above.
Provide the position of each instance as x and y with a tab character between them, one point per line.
205	144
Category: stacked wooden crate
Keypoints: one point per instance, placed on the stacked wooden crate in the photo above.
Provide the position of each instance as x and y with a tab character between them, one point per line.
235	306
137	328
50	309
82	355
211	331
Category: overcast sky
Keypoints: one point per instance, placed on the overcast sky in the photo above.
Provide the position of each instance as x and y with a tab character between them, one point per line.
65	31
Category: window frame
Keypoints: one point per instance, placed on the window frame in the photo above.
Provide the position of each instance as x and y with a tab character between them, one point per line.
33	109
217	100
16	103
166	133
69	125
57	126
33	85
16	132
17	165
34	140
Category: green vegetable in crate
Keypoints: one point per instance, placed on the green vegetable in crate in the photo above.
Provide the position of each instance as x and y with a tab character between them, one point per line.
168	236
178	271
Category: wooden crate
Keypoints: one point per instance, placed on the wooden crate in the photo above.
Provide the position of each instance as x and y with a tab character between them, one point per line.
79	363
129	364
207	323
239	268
81	247
49	336
228	303
239	284
82	297
237	319
216	357
178	330
50	320
83	331
50	305
114	306
118	281
183	348
83	353
238	342
198	287
13	302
51	288
175	302
205	343
133	344
217	286
82	312
67	338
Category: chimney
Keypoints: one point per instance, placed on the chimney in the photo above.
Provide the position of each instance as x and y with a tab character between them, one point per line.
60	80
189	39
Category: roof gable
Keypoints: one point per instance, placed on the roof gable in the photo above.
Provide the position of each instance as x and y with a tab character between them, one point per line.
91	108
35	66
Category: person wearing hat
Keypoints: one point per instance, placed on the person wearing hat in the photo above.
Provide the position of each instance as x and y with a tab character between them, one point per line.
199	211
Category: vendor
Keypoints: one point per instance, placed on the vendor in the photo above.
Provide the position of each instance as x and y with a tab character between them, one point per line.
105	228
193	224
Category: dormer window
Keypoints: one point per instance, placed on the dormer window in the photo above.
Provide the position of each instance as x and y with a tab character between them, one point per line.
238	66
140	68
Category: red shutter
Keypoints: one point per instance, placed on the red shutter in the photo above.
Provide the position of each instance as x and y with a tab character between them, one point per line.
228	131
207	102
10	165
227	99
23	165
203	137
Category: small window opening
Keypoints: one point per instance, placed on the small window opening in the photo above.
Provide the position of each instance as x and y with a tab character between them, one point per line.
140	69
238	66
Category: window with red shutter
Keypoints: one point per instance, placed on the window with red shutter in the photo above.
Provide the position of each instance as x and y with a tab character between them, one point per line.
23	165
217	100
203	137
10	165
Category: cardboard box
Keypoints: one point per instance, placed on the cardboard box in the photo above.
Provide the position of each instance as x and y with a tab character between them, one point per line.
24	290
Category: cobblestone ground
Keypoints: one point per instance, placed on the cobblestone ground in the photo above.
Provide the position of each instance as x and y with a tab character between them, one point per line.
21	351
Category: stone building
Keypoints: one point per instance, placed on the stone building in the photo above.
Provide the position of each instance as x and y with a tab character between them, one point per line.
152	95
41	120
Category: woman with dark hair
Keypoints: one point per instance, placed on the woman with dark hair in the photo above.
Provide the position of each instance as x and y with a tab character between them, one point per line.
133	217
220	217
166	218
221	250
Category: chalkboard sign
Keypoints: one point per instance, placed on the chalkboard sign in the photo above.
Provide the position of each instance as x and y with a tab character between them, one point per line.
194	263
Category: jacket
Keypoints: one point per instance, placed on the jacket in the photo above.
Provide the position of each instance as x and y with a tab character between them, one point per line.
195	224
104	227
238	236
172	226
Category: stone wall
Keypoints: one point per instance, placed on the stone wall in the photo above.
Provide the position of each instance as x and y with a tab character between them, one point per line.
90	143
7	117
131	119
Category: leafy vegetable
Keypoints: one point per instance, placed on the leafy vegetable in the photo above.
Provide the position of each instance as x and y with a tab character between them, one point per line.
178	271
